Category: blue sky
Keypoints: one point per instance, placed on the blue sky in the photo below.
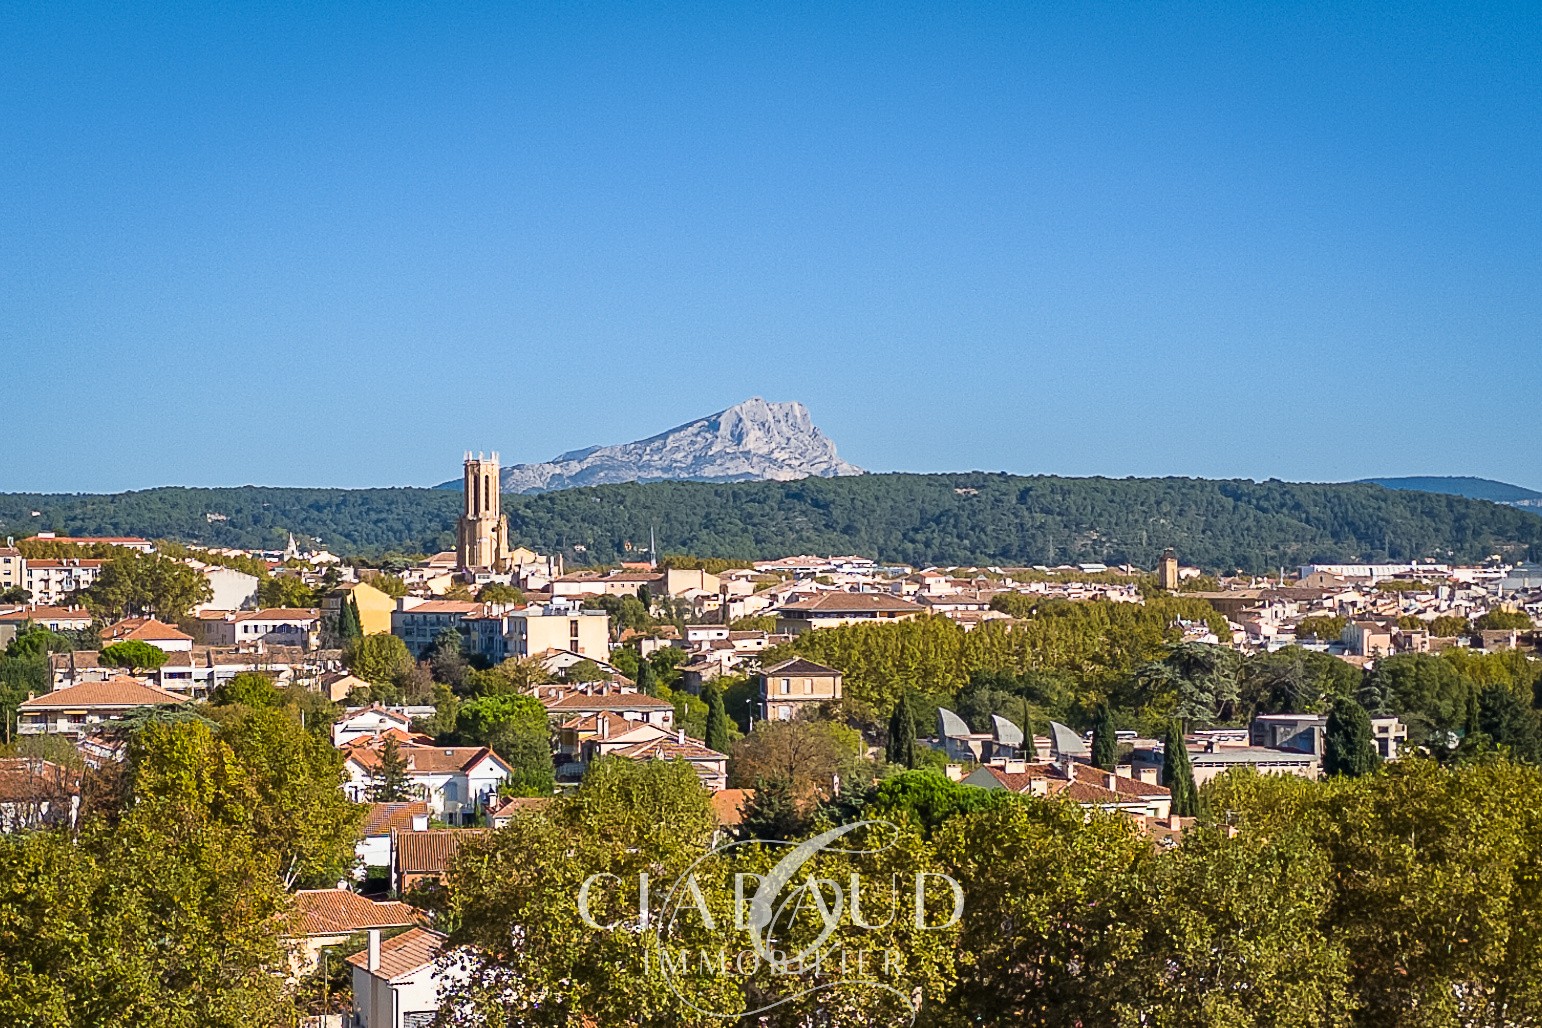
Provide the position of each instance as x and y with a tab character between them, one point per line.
321	244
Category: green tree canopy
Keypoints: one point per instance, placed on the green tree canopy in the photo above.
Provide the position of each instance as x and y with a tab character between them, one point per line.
133	654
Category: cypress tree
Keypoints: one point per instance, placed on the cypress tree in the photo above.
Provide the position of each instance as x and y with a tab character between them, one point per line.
902	734
1178	773
349	626
1030	748
1105	740
717	721
1348	746
647	679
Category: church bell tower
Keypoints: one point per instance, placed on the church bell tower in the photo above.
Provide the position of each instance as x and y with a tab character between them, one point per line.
482	537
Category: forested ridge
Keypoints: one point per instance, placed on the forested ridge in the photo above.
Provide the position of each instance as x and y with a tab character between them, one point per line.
917	519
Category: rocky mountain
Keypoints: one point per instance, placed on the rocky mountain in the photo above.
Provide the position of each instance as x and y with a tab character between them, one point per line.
753	440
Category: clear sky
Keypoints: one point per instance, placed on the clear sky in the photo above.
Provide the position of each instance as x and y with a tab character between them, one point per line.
324	244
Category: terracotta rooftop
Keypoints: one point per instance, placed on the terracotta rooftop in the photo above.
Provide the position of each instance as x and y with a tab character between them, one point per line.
425	759
403	954
578	702
384	817
854	603
799	666
340	912
430	852
143	629
122	691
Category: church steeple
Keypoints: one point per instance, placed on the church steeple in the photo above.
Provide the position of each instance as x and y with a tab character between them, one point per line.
482	537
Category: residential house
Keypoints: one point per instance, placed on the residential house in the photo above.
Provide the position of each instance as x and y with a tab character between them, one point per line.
367	723
711	767
397	982
337	686
328	917
73	710
833	609
630	706
299	627
789	688
457	782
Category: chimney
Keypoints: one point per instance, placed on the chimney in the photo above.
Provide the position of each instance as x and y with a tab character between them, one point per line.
680	737
1111	782
420	822
374	949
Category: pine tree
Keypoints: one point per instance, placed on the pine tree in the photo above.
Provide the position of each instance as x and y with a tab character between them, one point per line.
1178	773
1507	722
717	721
772	813
388	782
1348	746
902	734
1105	740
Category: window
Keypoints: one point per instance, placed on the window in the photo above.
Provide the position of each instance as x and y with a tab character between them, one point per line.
786	686
808	686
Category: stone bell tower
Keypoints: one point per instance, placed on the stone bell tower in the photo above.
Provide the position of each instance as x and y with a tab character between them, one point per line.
482	537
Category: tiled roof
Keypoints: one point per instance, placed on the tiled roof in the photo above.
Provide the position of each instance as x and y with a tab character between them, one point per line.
670	748
45	613
46	563
855	603
383	817
430	852
144	629
578	702
799	666
279	614
402	954
121	691
340	912
729	804
29	779
445	607
523	805
425	759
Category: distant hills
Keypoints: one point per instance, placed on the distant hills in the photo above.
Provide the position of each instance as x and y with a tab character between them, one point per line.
1472	488
972	518
753	440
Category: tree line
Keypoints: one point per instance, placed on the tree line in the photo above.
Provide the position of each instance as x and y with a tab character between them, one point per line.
975	518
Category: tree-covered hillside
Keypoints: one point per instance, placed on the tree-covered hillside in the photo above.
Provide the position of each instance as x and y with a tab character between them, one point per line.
916	519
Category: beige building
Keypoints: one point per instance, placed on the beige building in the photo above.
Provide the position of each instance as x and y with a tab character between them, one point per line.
1167	571
833	609
482	538
51	581
374	606
13	568
792	686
